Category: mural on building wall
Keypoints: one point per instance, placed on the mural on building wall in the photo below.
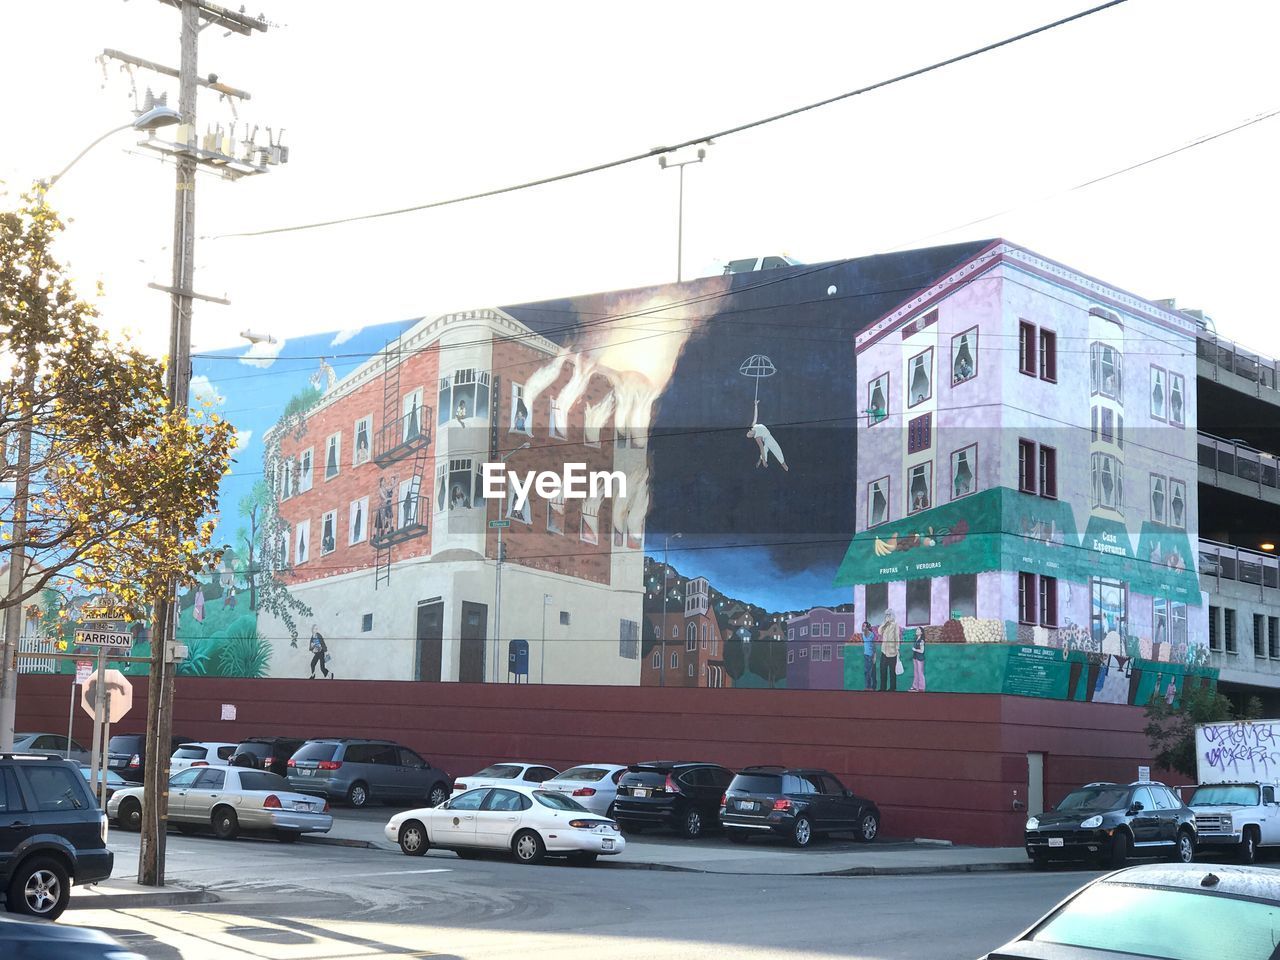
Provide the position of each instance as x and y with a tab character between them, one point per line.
804	508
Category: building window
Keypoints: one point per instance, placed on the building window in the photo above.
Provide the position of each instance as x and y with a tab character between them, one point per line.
1026	598
1048	472
1259	636
656	663
920	433
409	514
826	653
1027	348
1273	637
358	521
328	532
675	661
919	602
841	628
523	512
1159	499
791	656
332	452
302	542
1027	466
1108	424
877	502
964	471
361	445
589	529
691	668
1108	608
791	633
286	478
964	356
1159	620
691	638
1048	601
1157	394
878	399
1108	481
1177	411
1048	355
555	514
366	623
1229	630
1177	504
804	653
1178	628
1215	634
815	652
306	473
454	485
1105	371
826	629
519	411
920	378
804	631
920	487
463	396
963	595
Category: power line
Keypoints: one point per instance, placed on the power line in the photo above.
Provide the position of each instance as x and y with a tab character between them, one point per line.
657	151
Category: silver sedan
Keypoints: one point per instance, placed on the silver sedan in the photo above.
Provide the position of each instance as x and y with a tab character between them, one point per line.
229	800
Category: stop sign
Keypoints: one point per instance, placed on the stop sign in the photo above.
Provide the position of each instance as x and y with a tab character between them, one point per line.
121	695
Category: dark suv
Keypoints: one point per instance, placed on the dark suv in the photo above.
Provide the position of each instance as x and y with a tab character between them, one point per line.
682	795
796	804
1112	821
127	754
267	753
51	834
358	771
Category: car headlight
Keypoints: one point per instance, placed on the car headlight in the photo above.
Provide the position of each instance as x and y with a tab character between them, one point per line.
1033	823
1091	823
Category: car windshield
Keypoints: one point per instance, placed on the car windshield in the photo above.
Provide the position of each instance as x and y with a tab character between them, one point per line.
1225	794
1164	923
503	771
558	801
1095	798
316	751
261	780
588	774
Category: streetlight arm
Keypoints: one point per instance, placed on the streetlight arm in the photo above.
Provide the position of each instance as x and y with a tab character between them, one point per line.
48	184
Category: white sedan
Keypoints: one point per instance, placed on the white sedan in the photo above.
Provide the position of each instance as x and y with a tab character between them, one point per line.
528	822
594	785
205	754
228	800
510	773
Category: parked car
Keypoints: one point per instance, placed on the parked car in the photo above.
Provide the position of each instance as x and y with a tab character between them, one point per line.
53	834
1171	911
509	773
267	753
1113	821
50	941
798	804
201	754
357	771
229	800
50	745
114	780
527	821
750	264
594	785
682	795
127	754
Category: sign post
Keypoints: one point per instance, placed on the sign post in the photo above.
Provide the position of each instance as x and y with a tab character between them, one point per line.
105	635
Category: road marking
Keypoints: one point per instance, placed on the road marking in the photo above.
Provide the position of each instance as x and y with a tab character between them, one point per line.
396	873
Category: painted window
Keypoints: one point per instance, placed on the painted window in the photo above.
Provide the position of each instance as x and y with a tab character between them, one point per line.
804	631
657	660
442	485
1178	622
629	639
877	595
1105	371
691	668
1177	409
920	487
1107	476
306	472
964	356
963	595
332	454
1109	609
523	513
590	527
1159	498
408	502
791	656
804	653
826	653
520	419
593	421
878	399
328	532
455	487
920	377
840	629
286	469
1157	394
555	514
920	433
302	542
1027	348
1108	425
919	600
964	471
691	638
411	414
464	397
363	434
877	502
1177	504
1159	620
1048	355
675	661
556	420
358	521
1094	417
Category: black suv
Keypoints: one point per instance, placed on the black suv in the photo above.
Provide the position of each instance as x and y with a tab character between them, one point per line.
267	753
796	804
683	795
127	754
1111	821
51	834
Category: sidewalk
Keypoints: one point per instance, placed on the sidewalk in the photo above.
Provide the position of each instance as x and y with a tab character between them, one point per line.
763	857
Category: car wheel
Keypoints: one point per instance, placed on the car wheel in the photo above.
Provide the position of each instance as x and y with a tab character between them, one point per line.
438	794
1248	846
130	815
528	847
1119	855
691	825
358	795
40	888
868	827
288	836
738	836
413	838
1184	851
801	832
583	859
226	825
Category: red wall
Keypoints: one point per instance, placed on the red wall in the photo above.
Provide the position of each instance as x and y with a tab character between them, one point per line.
940	765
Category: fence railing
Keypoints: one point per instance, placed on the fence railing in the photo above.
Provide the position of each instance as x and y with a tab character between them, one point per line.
1225	562
1239	460
1232	357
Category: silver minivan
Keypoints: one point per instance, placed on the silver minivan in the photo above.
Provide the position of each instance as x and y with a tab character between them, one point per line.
357	771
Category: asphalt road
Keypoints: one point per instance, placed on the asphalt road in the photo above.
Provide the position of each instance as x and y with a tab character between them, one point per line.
307	902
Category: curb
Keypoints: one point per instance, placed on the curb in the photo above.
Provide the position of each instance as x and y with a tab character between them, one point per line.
133	901
340	842
845	872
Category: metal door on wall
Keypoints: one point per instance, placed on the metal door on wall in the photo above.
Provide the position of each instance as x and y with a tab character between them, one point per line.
430	640
1035	784
475	626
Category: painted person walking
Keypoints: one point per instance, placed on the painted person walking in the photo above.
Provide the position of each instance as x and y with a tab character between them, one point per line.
319	653
890	641
869	655
917	662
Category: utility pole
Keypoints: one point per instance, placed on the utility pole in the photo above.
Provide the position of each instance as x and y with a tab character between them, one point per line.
17	566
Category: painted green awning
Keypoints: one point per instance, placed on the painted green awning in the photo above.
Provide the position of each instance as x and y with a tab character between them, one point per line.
1166	565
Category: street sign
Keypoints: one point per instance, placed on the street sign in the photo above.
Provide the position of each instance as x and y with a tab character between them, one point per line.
121	695
84	670
499	523
104	633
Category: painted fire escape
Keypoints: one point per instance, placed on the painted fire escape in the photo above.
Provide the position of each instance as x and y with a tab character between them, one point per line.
401	512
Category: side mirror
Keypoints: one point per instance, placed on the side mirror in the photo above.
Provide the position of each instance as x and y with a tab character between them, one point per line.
1136	808
849	794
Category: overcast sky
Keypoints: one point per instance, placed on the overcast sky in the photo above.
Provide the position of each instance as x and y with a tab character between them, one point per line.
387	104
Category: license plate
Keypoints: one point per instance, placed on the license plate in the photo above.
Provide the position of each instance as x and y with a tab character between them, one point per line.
640	792
305	772
1055	841
746	805
606	844
301	805
116	763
